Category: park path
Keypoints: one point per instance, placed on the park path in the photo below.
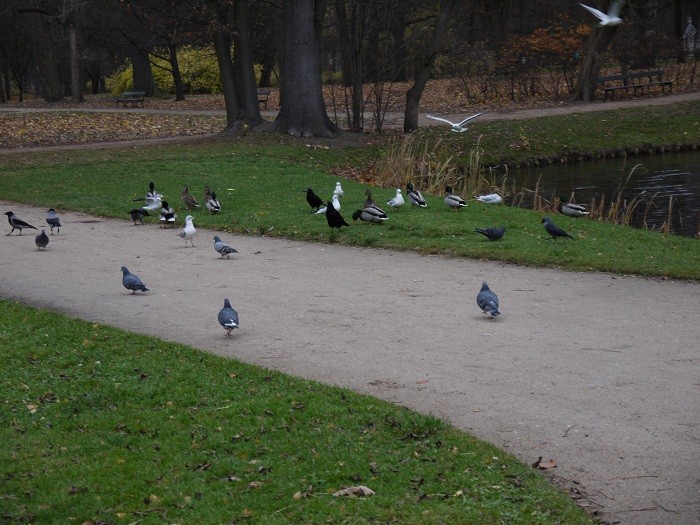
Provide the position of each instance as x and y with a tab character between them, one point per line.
597	371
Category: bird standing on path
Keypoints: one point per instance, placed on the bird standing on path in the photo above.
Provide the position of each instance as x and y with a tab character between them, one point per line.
167	215
16	223
189	231
188	200
611	18
314	200
42	240
554	230
132	282
415	197
457	127
397	201
333	216
53	221
223	248
493	234
228	318
487	301
453	201
572	210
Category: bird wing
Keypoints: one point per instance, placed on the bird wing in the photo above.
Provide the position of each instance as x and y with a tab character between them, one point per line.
599	14
470	118
615	9
442	120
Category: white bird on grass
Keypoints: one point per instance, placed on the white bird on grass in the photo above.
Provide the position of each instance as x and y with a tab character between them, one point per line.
457	127
397	201
188	232
336	205
611	18
491	198
338	190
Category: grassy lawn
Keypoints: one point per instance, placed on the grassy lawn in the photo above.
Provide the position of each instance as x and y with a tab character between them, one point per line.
260	182
103	425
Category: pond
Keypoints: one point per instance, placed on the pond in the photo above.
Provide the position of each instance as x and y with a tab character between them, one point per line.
657	179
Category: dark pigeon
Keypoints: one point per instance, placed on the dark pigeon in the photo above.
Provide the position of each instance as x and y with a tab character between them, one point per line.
16	223
554	230
42	240
137	214
492	233
314	200
487	300
53	221
132	282
333	216
228	318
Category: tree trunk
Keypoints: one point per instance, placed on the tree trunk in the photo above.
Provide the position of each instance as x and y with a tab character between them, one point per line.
593	56
243	67
679	31
3	95
399	46
175	68
143	76
302	110
351	58
222	46
76	78
413	95
47	61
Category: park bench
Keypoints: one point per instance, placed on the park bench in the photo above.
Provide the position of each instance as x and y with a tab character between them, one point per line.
263	95
131	97
634	81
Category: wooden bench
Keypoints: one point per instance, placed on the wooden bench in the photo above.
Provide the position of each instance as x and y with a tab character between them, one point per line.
263	95
634	81
131	97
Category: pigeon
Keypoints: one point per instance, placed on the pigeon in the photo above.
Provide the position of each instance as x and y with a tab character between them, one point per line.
314	200
491	198
228	318
336	205
137	214
335	220
415	197
397	201
42	240
370	214
487	301
132	282
338	190
211	203
167	214
188	232
189	201
554	230
457	127
453	201
492	233
572	210
53	221
17	223
611	18
223	248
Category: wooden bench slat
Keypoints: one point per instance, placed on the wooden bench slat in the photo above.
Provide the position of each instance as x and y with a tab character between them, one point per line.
654	78
133	97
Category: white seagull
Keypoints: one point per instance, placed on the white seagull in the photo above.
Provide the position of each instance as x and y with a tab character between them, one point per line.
336	205
612	18
338	191
188	231
491	198
397	201
457	127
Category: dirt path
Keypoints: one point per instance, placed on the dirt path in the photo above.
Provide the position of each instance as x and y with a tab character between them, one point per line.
599	372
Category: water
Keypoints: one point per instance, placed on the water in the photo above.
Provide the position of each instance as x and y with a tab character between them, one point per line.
664	176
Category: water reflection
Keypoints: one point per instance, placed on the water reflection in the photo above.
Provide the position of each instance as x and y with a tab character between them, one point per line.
674	175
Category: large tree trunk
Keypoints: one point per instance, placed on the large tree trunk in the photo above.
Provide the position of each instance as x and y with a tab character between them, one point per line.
47	61
175	68
351	57
679	31
143	76
302	110
243	64
413	95
76	77
593	57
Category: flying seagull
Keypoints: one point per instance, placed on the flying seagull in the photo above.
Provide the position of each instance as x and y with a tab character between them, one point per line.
397	201
53	221
132	282
189	231
457	127
228	318
167	214
222	248
42	240
487	301
611	18
153	198
554	230
17	223
415	197
187	198
572	210
137	214
314	200
333	216
453	201
492	233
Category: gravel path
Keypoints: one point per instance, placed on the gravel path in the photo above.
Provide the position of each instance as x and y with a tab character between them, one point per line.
596	371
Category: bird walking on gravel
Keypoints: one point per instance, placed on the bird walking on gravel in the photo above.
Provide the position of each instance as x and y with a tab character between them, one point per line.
42	240
333	216
132	282
228	318
137	214
314	200
53	221
493	234
487	301
554	230
189	231
17	223
167	215
188	200
415	197
397	201
222	248
453	201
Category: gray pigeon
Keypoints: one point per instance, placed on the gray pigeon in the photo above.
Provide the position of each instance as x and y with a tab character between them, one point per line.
42	240
132	282
53	221
228	317
223	248
492	233
554	230
17	223
487	300
137	214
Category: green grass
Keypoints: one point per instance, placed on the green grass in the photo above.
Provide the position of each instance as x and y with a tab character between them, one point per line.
104	425
260	183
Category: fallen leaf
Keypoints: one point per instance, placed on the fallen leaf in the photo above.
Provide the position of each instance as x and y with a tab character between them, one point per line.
546	464
359	490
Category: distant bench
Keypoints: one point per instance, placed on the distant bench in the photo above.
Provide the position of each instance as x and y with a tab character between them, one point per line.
131	97
263	95
634	81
